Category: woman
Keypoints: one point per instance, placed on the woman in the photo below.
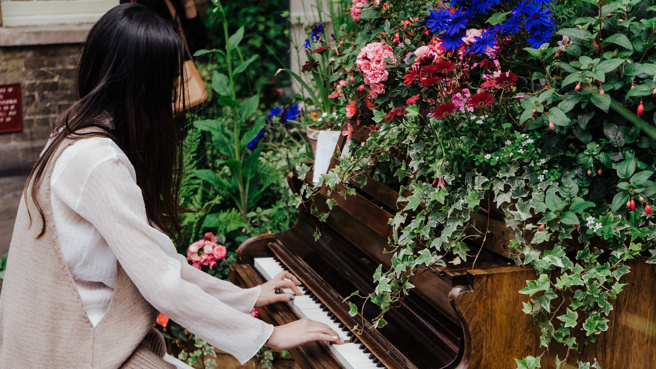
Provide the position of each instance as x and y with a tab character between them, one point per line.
91	262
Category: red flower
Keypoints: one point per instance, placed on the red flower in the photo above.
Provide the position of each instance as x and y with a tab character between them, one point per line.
320	49
444	67
162	320
443	111
411	77
481	100
412	100
398	112
430	75
254	313
506	79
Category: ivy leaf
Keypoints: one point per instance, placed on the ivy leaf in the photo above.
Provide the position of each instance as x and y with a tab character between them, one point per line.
425	258
618	39
569	319
353	309
528	362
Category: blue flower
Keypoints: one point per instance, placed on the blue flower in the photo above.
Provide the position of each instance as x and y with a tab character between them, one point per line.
459	20
481	6
437	20
253	143
511	26
520	8
535	40
452	42
275	112
487	39
316	32
292	112
542	3
538	19
307	44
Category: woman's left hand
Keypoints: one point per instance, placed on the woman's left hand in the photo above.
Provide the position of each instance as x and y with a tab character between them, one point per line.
271	291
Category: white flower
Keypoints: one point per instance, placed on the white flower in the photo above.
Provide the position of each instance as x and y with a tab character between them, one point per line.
529	141
488	156
510	155
541	178
480	121
545	171
324	115
520	150
508	143
319	120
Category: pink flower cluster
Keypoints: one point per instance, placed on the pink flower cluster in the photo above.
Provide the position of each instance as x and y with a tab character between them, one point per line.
206	252
356	8
371	62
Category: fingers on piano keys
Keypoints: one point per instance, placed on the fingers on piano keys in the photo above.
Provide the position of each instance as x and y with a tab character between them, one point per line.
352	354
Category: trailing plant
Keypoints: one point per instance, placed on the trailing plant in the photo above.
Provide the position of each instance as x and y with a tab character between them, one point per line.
471	107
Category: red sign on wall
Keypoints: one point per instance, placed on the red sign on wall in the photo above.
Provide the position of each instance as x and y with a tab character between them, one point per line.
11	112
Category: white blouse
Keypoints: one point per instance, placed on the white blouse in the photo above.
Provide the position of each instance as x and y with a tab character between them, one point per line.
100	218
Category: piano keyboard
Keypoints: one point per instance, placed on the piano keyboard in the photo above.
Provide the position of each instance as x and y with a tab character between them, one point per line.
352	354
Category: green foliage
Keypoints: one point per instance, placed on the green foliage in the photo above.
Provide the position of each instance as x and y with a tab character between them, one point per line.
265	24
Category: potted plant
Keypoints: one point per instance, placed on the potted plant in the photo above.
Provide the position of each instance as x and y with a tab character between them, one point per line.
472	106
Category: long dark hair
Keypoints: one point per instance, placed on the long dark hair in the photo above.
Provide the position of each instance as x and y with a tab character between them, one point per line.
128	70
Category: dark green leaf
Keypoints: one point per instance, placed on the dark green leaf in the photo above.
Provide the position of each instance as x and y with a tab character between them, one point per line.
618	39
619	200
569	218
644	89
498	18
626	169
609	65
575	33
221	84
614	134
242	67
248	108
641	178
236	38
602	102
575	77
558	117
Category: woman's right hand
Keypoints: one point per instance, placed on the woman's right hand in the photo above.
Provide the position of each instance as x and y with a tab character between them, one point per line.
302	331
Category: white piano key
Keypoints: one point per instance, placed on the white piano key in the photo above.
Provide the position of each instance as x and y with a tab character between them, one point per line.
349	354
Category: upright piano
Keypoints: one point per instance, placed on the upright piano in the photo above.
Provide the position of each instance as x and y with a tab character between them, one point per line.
459	316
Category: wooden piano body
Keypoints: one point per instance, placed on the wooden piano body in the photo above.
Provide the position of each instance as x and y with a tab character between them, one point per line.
457	317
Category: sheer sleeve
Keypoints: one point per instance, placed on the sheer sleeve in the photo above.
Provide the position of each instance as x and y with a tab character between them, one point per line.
213	310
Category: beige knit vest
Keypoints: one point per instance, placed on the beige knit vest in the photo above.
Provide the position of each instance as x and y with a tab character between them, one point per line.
43	323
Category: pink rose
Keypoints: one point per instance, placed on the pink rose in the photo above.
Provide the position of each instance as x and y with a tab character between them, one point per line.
208	249
376	89
219	252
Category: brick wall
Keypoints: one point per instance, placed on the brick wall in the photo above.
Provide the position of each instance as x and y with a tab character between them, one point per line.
46	75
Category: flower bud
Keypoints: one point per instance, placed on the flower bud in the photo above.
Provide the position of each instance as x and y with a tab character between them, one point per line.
632	85
541	227
641	109
647	209
653	92
589	172
578	86
642	199
551	125
632	204
576	226
601	91
599	171
628	203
